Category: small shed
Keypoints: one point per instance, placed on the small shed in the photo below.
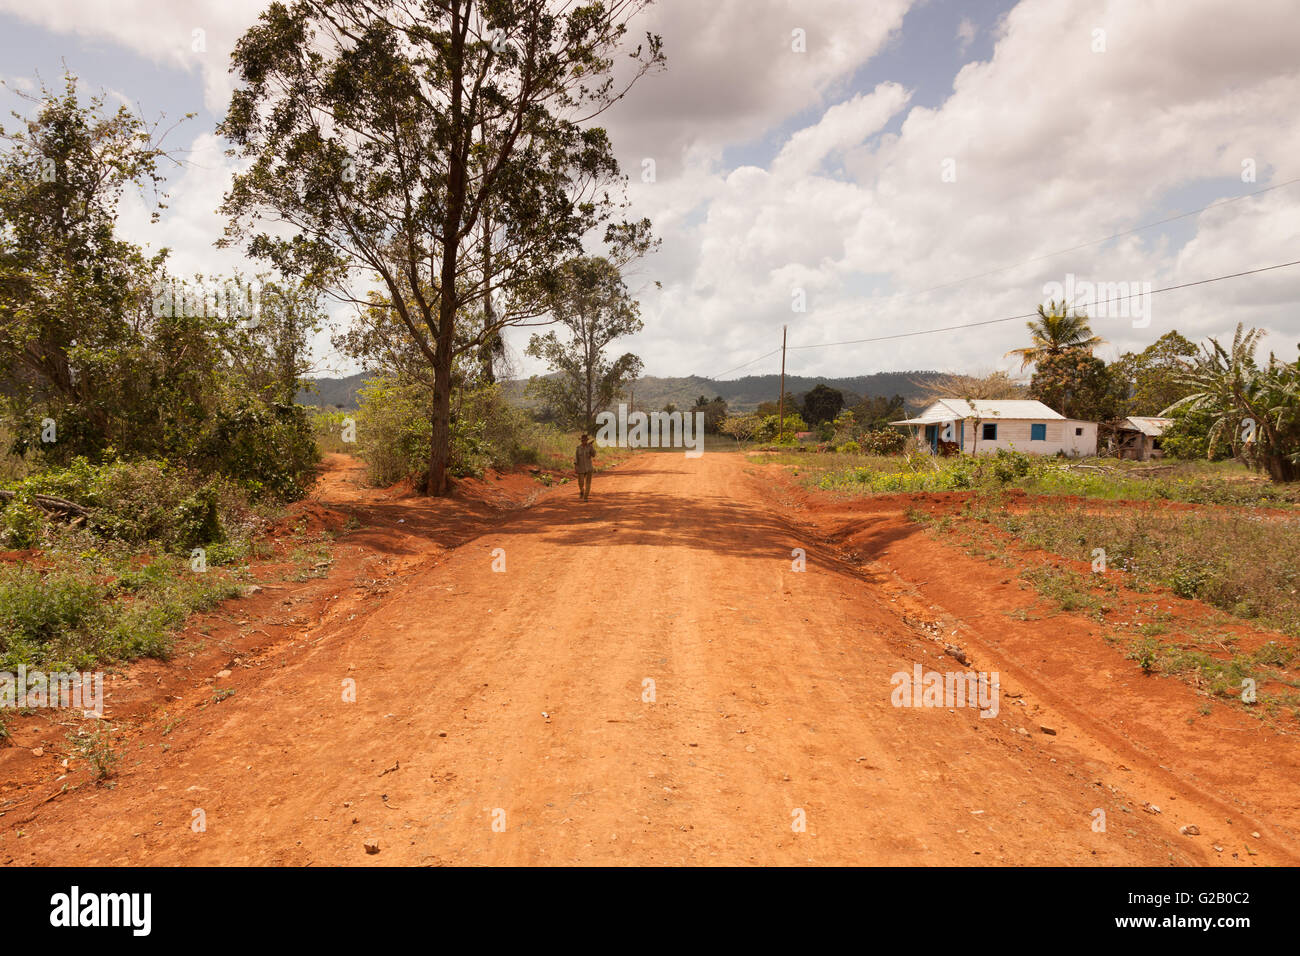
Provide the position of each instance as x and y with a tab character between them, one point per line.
1138	437
982	427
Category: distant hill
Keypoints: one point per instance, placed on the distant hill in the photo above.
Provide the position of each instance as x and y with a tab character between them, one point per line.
651	392
340	393
745	394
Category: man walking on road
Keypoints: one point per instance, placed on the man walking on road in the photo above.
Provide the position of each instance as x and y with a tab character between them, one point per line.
582	464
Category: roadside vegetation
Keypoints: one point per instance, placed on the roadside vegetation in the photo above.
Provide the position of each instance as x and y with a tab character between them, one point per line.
1196	482
148	420
1221	558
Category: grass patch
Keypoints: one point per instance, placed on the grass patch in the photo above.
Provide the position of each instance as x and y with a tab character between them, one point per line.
1245	565
156	546
1172	542
1225	483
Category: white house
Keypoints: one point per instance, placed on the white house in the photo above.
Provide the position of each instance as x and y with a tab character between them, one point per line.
982	427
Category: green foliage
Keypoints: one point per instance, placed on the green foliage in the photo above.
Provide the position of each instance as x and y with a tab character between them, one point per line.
42	616
1075	383
96	748
268	449
593	306
822	404
394	430
1055	331
741	427
22	524
715	413
447	152
767	429
849	448
327	427
197	519
141	502
1254	409
72	617
95	338
1188	436
883	441
875	412
1151	380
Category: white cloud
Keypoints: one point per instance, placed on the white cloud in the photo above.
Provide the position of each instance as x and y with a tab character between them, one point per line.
1053	145
966	33
197	35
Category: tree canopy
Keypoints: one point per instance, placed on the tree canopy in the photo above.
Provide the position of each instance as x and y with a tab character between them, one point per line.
443	149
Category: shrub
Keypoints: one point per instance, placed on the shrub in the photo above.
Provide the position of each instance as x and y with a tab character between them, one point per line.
268	449
883	441
22	524
767	429
394	433
141	502
44	616
850	448
197	520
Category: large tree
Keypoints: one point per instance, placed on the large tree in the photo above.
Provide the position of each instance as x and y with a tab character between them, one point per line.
441	148
822	404
592	304
73	294
1077	384
1152	379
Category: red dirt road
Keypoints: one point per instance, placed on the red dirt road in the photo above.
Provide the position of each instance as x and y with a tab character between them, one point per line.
503	717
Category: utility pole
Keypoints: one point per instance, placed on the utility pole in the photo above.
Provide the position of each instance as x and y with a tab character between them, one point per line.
780	430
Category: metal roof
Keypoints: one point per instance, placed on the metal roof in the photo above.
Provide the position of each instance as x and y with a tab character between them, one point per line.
951	409
1154	427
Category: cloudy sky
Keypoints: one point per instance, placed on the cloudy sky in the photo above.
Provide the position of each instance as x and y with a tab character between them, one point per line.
854	170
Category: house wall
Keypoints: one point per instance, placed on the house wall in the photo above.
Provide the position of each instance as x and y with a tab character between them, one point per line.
1013	434
1080	446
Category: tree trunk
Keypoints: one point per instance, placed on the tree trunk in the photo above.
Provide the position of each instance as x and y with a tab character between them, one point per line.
1281	469
440	415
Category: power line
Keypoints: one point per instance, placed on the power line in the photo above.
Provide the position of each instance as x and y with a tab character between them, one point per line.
1082	245
746	365
1047	255
1030	315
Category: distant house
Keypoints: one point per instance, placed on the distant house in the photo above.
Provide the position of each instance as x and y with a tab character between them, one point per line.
982	427
1138	437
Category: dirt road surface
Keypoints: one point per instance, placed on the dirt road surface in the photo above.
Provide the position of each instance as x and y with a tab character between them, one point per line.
645	679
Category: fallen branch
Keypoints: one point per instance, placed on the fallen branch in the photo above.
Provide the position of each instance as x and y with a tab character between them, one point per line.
49	503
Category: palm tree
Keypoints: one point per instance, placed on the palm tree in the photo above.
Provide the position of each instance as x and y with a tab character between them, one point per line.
1054	331
1255	410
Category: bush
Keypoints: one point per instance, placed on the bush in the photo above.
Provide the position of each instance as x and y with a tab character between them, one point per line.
1010	465
394	433
22	524
767	430
270	450
136	502
1188	437
44	617
328	429
850	448
883	441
